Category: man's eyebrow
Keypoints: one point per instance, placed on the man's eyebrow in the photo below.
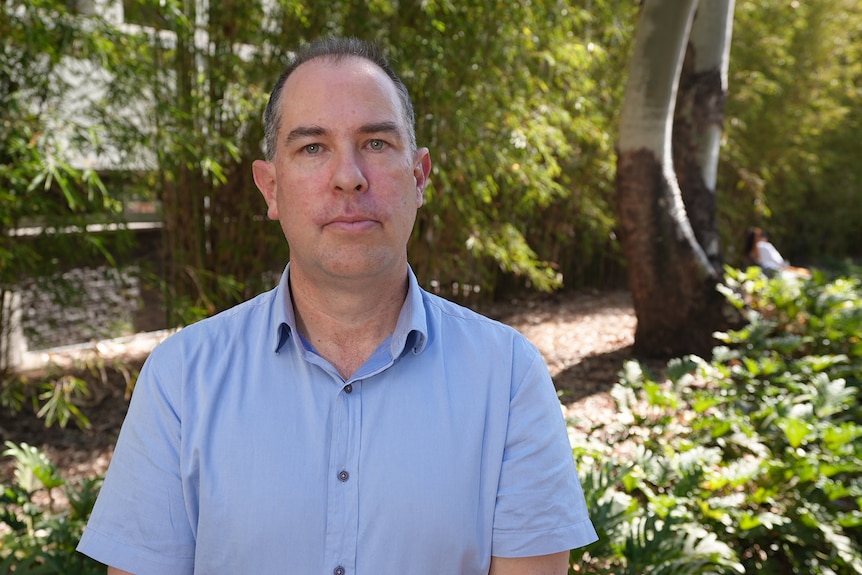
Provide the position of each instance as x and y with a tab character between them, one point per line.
318	131
380	127
305	132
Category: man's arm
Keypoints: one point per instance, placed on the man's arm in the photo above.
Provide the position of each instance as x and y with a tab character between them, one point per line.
554	564
115	571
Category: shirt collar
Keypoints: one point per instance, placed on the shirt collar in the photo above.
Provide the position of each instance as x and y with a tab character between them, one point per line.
282	310
411	330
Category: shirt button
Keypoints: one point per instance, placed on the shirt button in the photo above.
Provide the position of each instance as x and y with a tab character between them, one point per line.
338	570
343	476
348	388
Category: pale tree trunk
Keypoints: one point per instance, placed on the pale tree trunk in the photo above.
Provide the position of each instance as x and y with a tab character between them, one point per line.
672	281
699	119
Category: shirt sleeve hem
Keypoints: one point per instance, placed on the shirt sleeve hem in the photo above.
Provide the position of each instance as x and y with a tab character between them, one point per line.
135	560
510	544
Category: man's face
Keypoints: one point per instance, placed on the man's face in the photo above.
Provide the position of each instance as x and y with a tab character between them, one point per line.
344	181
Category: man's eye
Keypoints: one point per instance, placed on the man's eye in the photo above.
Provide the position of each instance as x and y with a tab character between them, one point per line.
312	148
377	144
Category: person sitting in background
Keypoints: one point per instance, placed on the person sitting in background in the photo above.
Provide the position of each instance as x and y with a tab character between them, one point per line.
762	253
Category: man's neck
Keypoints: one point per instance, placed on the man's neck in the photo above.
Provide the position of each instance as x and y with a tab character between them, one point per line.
345	323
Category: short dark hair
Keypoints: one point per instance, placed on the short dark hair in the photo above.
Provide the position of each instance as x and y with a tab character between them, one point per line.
335	49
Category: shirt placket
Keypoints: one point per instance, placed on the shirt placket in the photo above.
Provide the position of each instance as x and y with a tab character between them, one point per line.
342	521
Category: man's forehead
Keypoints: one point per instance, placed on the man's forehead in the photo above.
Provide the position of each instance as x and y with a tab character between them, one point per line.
335	69
326	79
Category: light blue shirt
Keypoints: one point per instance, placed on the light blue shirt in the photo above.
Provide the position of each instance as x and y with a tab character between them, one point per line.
245	452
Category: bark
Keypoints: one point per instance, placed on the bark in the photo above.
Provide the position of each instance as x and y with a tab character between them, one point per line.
699	120
671	278
675	301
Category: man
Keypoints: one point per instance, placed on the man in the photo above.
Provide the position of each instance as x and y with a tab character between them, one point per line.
347	422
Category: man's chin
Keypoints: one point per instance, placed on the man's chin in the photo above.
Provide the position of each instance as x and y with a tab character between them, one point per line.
363	266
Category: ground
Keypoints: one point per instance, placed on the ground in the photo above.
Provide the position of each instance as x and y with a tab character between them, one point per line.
585	337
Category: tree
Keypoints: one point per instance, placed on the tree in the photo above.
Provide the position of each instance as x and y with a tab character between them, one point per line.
672	276
699	120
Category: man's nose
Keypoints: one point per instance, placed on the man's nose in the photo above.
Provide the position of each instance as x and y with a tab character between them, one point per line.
348	174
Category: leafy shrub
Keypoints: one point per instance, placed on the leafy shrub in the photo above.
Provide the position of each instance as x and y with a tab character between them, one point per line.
56	393
38	535
750	463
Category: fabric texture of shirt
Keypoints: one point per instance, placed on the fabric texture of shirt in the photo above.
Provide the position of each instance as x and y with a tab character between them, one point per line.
245	452
768	256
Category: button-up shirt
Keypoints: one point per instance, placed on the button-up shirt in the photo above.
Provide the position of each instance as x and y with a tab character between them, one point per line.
244	451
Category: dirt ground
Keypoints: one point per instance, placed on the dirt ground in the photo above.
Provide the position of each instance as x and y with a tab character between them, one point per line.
585	337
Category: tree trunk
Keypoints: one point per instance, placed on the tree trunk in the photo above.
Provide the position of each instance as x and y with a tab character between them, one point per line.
670	276
699	119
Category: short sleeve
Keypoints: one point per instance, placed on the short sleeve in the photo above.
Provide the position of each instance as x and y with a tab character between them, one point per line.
140	522
540	507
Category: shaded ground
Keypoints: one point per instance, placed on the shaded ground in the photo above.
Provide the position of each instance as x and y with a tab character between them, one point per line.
584	337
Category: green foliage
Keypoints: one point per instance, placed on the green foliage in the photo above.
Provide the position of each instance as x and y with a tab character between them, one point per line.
518	116
58	401
750	463
56	394
49	145
39	535
187	114
794	112
47	142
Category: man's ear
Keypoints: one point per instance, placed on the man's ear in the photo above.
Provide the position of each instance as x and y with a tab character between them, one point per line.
264	178
421	171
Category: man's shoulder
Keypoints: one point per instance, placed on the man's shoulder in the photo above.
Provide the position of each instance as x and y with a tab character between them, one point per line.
254	310
481	345
238	322
447	312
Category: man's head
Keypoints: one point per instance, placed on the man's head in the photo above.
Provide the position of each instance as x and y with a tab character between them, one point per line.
335	49
343	176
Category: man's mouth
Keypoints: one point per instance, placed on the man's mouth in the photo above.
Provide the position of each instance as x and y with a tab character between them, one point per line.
352	223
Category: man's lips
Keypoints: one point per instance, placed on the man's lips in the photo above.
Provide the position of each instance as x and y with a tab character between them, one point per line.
352	223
